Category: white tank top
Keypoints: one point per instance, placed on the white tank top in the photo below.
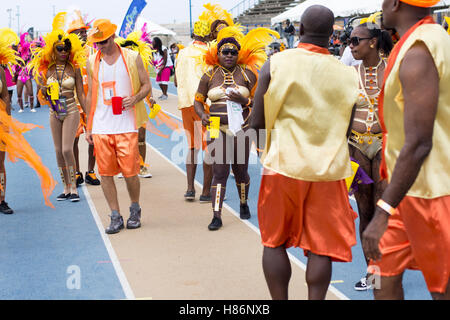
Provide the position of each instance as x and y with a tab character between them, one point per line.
105	122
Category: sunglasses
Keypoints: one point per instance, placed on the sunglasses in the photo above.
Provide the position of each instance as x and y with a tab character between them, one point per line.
102	42
356	40
226	52
62	48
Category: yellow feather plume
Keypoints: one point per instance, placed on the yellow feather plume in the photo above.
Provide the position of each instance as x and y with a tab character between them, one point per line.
253	48
59	21
215	12
9	36
143	47
44	57
231	32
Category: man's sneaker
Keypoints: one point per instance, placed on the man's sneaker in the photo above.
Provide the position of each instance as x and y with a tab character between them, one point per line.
20	110
116	225
205	199
63	197
164	97
26	105
91	178
79	178
189	196
215	224
134	221
362	285
244	212
33	110
144	173
4	208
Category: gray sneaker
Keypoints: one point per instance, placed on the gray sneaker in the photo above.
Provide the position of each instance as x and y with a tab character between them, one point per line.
116	225
134	221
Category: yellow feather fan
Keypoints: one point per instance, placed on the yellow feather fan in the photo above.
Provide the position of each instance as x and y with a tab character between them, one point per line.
59	21
215	12
7	55
142	47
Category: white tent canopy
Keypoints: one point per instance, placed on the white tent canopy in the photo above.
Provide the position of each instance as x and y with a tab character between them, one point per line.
340	8
153	28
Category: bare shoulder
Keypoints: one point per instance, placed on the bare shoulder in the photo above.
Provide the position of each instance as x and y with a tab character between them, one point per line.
417	61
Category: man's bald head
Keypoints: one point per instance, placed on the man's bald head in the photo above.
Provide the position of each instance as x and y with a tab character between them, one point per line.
317	22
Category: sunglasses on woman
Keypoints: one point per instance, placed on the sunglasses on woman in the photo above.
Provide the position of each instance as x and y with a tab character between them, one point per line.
62	48
226	52
356	40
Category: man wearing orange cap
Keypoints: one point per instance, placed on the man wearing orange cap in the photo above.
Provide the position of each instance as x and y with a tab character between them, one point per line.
117	80
79	27
411	225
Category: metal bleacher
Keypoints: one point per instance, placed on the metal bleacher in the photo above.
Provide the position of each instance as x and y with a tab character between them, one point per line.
258	13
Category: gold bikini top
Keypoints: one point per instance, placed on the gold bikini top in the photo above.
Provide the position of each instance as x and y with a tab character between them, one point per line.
68	83
219	93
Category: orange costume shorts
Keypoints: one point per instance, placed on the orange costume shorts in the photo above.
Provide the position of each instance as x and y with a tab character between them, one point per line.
314	216
418	238
195	132
117	153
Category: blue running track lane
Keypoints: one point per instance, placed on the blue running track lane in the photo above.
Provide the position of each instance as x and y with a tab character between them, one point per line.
47	253
345	275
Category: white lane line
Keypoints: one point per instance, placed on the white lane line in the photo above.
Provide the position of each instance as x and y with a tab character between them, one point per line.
293	258
112	254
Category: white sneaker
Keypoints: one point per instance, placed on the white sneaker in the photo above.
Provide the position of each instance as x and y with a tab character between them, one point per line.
164	97
33	110
362	285
20	110
144	173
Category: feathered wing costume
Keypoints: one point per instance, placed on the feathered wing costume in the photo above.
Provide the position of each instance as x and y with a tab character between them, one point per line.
252	54
11	131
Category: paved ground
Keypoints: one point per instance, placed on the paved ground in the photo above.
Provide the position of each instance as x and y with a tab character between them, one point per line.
63	253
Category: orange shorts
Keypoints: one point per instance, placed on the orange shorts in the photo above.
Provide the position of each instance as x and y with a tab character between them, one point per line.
315	216
117	153
195	132
82	126
418	238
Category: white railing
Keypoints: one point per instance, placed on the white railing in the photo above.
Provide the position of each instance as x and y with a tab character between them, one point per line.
243	6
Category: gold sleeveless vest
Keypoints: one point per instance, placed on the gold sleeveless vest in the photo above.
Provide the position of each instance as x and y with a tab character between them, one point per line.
433	180
308	107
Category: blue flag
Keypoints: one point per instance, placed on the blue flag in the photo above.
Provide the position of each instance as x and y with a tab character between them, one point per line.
133	13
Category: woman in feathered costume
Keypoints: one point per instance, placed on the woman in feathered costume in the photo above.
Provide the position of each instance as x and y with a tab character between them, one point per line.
23	75
56	67
231	64
137	41
11	138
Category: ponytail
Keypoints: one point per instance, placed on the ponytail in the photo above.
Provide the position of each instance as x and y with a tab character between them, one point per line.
384	42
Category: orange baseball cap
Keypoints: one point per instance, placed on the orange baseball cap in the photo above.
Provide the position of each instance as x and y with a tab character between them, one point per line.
421	3
101	30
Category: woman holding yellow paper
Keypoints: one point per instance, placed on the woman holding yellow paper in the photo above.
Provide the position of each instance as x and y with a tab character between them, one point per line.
57	67
230	81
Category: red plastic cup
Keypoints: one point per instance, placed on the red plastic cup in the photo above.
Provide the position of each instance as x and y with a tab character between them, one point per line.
117	105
